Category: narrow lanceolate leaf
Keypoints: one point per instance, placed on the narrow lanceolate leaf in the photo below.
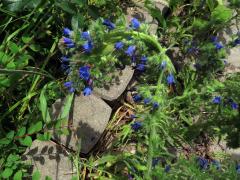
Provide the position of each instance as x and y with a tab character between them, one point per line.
43	106
67	106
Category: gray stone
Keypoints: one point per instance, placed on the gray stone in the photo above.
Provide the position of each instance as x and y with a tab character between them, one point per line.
233	60
113	91
86	123
162	5
221	147
226	35
50	160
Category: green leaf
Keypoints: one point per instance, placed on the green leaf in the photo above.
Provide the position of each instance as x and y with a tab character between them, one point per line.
67	106
35	127
44	137
10	135
66	6
27	141
43	106
77	21
5	141
18	175
11	65
48	178
26	39
35	47
221	14
36	175
13	47
7	173
21	131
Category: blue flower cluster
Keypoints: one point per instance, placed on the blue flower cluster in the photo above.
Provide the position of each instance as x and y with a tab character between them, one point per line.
138	98
218	100
67	38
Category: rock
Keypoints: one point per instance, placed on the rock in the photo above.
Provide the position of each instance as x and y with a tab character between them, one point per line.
226	35
233	61
50	160
113	91
162	5
221	147
86	123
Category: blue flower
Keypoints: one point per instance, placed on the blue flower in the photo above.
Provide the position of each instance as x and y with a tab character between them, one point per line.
84	73
144	59
68	84
234	105
217	164
86	35
202	162
88	46
87	91
141	67
136	126
167	168
137	98
155	105
147	100
64	59
118	45
67	41
238	168
135	23
217	100
218	45
170	79
109	24
67	32
163	64
130	51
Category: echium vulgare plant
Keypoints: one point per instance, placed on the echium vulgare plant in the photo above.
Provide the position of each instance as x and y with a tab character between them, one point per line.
90	56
